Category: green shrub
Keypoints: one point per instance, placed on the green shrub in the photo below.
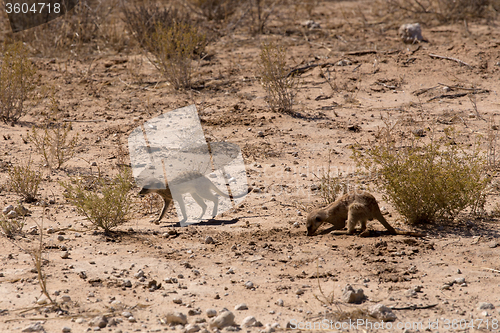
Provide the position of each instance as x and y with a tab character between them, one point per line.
24	181
106	203
428	182
54	143
280	87
17	82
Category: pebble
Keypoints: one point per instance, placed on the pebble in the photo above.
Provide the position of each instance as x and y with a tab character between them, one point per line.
209	240
65	255
127	283
12	214
35	327
177	301
299	292
485	306
42	300
175	318
350	295
126	314
382	312
241	306
139	274
192	328
249	284
280	302
66	298
66	329
224	319
132	319
7	209
60	238
211	313
99	321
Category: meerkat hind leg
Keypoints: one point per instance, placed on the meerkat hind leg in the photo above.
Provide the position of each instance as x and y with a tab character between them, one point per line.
166	204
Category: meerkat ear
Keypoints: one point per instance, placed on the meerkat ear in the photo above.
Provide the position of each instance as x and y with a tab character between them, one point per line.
318	219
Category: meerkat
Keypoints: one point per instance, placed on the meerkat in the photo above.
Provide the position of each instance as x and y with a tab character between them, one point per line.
353	207
194	183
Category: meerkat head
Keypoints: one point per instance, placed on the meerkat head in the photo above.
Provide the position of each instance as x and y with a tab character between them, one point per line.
314	221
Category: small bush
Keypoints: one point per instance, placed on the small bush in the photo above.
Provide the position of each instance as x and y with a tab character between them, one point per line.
217	10
106	205
443	11
174	49
24	181
17	82
280	87
171	37
54	143
428	182
11	227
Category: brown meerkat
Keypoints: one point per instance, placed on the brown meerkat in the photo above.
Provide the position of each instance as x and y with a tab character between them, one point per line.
192	182
354	207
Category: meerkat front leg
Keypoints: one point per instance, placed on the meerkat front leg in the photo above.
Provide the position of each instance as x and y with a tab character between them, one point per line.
356	212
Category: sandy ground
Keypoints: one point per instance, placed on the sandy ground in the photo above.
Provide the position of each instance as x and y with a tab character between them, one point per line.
295	279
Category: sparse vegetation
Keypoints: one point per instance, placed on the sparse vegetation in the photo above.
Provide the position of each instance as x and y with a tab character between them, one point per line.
11	227
427	182
330	185
24	181
280	87
17	82
216	10
174	49
106	203
443	11
54	143
171	37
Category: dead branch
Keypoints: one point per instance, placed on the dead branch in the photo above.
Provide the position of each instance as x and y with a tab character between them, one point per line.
449	58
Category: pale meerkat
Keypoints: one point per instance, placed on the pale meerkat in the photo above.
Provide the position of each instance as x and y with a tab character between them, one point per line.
354	207
192	182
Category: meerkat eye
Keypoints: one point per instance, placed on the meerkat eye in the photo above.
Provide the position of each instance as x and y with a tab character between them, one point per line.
318	219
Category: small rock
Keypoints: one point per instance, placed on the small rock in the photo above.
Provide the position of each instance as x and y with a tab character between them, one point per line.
12	214
99	321
60	238
224	319
249	284
66	329
250	321
42	300
280	302
126	314
139	274
209	240
485	306
131	319
418	132
66	298
260	134
241	306
175	318
310	24
127	283
177	301
7	209
299	292
493	244
65	255
411	33
382	312
211	313
192	328
35	327
460	280
349	295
